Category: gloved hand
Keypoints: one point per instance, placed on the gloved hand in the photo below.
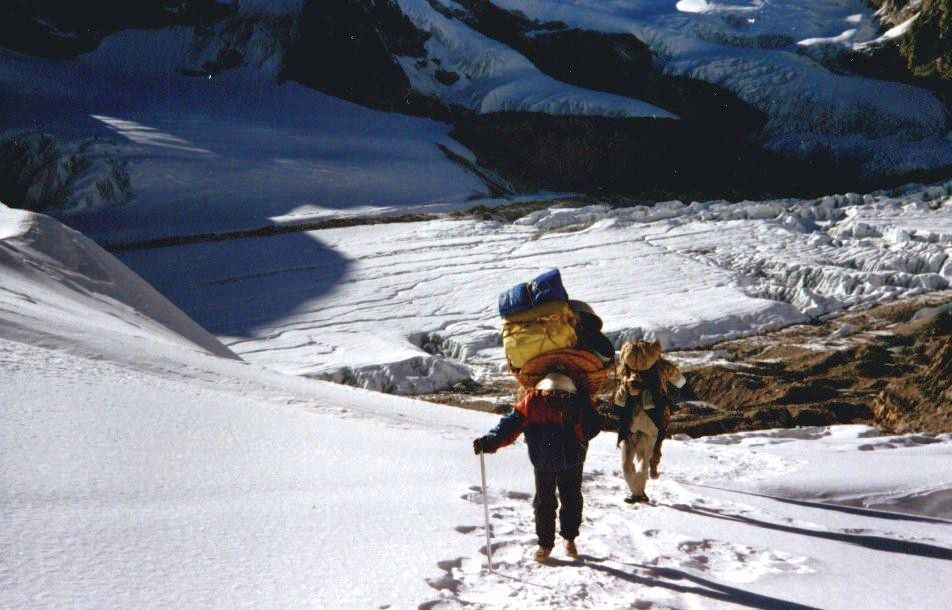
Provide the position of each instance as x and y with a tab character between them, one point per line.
479	446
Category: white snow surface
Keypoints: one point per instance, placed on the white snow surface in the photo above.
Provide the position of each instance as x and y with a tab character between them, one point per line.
57	283
230	152
495	78
235	151
411	307
143	472
892	33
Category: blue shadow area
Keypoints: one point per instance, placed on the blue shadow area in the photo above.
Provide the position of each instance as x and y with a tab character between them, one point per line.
209	159
235	286
872	542
683	582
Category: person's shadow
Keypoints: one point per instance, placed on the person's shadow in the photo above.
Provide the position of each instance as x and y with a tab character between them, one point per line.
878	543
685	583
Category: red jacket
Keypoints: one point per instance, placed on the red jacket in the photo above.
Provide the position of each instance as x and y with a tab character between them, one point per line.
557	431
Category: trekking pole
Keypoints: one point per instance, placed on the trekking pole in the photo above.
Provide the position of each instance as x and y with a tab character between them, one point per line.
489	548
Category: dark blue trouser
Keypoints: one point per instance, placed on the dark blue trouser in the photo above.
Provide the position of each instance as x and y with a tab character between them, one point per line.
569	484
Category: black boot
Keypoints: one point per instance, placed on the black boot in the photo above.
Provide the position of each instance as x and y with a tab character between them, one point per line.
637	499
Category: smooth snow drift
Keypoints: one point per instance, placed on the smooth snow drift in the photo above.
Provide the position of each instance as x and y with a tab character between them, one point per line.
59	284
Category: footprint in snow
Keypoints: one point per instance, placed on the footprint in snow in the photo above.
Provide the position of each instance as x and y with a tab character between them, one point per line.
517	495
726	561
605	571
768	437
904	442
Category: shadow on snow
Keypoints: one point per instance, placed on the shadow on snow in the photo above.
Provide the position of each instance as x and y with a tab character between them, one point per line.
234	287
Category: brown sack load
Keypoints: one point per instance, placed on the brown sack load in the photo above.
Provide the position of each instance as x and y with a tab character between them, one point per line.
640	355
583	367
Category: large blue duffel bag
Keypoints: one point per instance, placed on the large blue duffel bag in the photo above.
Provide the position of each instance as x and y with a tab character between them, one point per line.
544	288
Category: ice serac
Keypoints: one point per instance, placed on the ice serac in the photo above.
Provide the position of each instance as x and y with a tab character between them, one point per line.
38	172
59	284
399	306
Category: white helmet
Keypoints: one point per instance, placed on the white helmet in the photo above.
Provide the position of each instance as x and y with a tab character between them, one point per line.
557	381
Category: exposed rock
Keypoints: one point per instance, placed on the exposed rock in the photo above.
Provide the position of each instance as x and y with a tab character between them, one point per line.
637	156
257	39
56	29
497	185
347	48
921	401
889	372
927	45
447	77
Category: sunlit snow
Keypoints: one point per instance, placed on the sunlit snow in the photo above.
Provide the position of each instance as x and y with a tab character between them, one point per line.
402	307
140	470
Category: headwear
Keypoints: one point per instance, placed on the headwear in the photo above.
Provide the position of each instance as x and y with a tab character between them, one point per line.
557	381
587	315
640	355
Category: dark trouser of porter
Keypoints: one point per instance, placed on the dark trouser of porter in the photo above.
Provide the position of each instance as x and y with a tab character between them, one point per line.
568	482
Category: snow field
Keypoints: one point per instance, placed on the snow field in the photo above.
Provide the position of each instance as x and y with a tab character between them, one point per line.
131	488
411	307
139	469
218	484
227	153
758	519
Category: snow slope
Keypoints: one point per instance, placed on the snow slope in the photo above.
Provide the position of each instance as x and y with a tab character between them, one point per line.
156	153
225	153
771	519
195	482
140	469
59	284
495	78
399	307
136	472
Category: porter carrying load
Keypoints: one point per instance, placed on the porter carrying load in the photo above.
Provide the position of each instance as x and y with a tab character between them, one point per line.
544	332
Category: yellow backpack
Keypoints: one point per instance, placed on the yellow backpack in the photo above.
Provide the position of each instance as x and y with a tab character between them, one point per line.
544	328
